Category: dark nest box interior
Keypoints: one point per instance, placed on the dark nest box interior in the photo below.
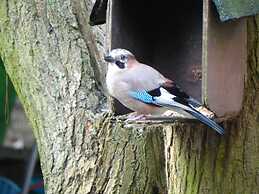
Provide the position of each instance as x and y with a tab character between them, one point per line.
186	42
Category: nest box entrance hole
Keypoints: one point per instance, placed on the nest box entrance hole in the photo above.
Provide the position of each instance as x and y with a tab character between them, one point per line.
166	36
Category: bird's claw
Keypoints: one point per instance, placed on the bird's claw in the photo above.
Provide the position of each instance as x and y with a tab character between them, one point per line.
135	117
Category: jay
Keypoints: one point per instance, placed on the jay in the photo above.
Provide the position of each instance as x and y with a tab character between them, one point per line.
143	89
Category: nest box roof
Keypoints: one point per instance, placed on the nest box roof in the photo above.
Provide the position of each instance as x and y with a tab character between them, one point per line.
231	9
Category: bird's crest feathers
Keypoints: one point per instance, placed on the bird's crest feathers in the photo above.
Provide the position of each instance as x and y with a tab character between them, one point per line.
120	57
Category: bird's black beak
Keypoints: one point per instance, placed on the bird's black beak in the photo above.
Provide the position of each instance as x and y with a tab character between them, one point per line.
109	59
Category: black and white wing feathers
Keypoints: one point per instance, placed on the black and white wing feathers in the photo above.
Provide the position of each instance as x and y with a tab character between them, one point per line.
175	99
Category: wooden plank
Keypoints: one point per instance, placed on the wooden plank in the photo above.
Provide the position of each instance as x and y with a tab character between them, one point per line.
224	63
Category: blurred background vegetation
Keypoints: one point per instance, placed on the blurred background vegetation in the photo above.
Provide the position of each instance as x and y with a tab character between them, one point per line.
16	144
7	99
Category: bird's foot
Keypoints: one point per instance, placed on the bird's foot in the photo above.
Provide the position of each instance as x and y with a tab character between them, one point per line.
174	114
135	117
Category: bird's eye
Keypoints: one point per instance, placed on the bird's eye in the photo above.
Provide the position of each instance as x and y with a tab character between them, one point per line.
123	57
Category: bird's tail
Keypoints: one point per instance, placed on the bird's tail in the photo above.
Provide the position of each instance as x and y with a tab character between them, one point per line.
206	121
202	118
172	102
193	102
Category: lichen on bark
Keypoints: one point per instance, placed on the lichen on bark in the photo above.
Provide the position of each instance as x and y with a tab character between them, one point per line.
53	58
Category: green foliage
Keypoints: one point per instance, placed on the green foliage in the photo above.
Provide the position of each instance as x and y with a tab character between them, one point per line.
7	98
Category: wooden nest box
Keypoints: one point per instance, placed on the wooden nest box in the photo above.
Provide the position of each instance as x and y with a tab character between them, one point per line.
186	42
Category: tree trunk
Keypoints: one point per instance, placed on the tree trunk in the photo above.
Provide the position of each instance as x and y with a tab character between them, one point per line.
198	161
54	60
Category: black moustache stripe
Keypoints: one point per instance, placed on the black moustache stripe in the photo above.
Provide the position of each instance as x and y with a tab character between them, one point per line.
120	64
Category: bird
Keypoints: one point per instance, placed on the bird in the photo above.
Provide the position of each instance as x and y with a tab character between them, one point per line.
143	89
98	13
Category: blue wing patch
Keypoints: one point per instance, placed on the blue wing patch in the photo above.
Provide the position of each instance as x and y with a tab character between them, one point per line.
142	96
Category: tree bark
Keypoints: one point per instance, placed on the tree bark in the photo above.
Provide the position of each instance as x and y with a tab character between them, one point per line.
198	161
54	60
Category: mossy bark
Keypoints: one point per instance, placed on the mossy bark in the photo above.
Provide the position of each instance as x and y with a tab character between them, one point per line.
53	58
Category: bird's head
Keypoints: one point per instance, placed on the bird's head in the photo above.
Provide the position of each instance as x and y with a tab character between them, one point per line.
120	58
